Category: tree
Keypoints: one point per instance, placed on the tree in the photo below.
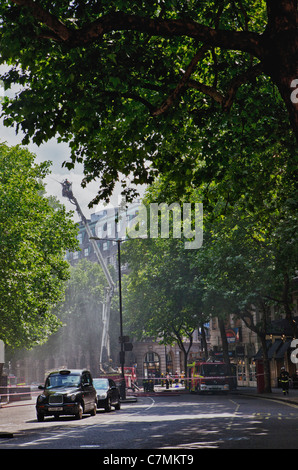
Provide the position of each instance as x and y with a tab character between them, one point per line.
33	240
162	295
250	250
131	85
247	264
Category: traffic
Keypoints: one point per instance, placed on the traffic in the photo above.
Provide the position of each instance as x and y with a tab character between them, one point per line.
75	392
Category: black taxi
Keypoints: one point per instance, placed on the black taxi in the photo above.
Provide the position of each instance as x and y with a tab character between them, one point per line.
67	392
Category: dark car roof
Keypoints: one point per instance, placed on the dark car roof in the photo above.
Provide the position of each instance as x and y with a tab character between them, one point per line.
68	371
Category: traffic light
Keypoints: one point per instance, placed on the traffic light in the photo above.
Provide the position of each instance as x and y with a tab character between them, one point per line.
127	345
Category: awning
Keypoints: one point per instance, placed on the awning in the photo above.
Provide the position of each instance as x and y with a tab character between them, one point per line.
283	349
259	354
273	349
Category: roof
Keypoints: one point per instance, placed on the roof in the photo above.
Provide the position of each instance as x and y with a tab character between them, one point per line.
68	371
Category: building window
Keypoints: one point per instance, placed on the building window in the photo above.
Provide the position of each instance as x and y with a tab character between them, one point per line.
99	231
109	228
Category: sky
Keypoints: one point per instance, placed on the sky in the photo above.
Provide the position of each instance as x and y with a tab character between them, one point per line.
57	153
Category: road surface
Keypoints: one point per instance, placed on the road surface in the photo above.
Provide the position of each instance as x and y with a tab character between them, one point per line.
181	422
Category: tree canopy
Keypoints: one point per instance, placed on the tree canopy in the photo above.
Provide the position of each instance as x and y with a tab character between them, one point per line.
34	237
162	296
245	266
145	87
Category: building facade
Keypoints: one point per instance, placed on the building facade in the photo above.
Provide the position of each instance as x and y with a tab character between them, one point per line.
245	349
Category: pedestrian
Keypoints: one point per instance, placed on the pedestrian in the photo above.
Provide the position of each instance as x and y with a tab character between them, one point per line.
167	381
176	378
182	378
284	380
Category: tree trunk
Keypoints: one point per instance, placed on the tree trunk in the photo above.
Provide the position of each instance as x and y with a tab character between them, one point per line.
261	333
287	306
225	348
279	55
266	362
185	351
204	342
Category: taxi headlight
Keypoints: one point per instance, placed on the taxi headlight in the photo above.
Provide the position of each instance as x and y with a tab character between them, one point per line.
71	397
41	398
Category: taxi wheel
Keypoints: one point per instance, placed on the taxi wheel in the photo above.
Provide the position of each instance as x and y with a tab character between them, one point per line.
118	406
79	414
108	404
93	411
40	417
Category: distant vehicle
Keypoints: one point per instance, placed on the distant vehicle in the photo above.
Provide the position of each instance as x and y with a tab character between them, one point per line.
208	377
108	394
67	392
130	377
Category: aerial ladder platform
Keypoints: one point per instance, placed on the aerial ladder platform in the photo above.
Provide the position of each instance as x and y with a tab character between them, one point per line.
109	290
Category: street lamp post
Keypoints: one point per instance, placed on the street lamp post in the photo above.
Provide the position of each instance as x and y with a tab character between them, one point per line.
122	358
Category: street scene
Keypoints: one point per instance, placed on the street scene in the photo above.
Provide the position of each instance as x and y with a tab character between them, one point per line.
148	227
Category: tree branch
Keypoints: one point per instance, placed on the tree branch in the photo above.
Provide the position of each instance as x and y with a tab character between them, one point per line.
239	80
244	41
132	96
207	90
177	91
60	30
118	21
226	100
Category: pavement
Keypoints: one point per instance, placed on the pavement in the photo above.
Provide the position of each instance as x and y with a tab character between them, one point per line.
276	394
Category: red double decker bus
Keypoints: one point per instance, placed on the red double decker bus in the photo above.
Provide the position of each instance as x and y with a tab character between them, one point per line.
208	377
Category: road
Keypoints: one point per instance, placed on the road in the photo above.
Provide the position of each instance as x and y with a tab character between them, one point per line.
181	422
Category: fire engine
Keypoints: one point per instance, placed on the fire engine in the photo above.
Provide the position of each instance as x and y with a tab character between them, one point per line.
130	377
208	377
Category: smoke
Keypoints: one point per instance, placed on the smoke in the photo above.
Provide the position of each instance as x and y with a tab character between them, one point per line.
77	343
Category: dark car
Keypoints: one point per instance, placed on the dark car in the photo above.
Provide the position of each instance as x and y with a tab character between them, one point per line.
67	392
108	394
